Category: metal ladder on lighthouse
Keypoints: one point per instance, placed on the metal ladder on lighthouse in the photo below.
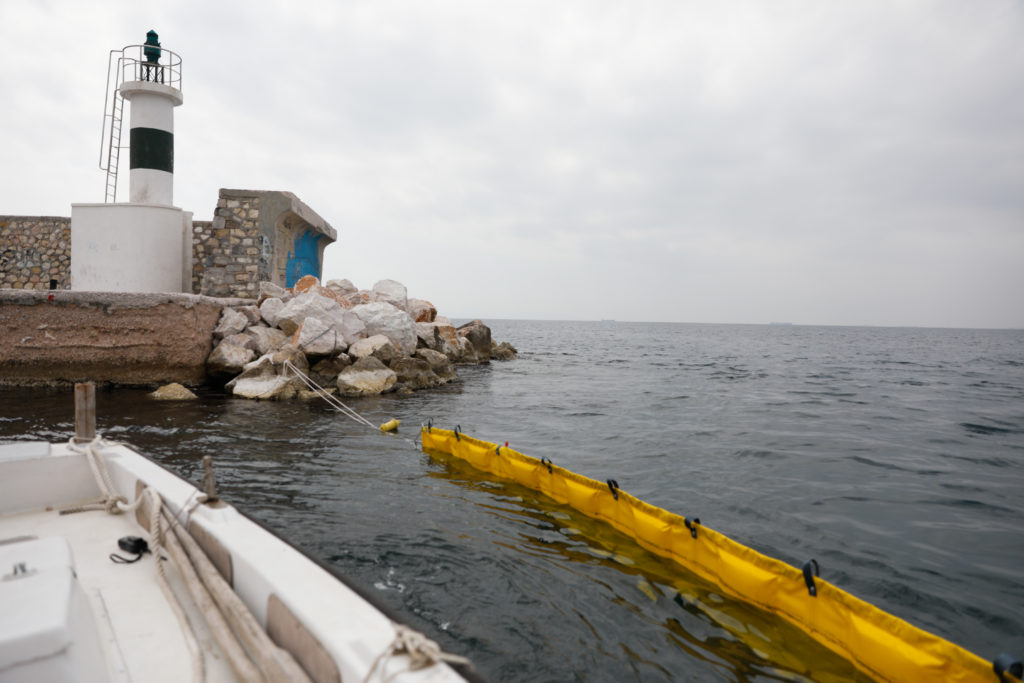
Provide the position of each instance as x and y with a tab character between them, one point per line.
110	140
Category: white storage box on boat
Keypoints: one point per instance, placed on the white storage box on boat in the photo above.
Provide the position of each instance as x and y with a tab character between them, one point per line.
47	630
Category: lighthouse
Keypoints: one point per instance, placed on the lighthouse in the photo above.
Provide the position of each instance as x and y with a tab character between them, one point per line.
151	140
144	244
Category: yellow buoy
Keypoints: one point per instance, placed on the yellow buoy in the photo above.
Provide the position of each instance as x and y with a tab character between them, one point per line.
391	425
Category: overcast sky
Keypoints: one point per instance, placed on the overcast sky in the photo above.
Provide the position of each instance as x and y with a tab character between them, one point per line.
855	163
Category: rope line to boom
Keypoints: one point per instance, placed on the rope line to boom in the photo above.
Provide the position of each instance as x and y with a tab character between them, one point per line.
325	395
337	404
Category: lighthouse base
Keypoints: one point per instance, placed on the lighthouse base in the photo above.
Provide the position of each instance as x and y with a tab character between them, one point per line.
130	248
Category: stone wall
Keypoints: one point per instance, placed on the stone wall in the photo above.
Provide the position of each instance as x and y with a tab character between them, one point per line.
229	254
257	235
35	250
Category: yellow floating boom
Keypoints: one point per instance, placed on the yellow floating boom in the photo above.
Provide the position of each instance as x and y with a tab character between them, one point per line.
876	642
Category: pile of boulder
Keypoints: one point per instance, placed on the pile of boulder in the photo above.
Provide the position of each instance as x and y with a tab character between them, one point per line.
345	340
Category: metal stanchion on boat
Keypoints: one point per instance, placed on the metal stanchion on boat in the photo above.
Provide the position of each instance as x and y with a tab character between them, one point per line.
85	411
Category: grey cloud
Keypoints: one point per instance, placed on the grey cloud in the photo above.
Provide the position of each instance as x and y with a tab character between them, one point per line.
822	162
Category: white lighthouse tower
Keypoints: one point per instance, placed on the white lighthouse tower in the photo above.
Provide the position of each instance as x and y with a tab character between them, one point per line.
144	244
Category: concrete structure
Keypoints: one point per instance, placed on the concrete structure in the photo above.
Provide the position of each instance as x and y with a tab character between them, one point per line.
64	337
257	236
145	244
130	248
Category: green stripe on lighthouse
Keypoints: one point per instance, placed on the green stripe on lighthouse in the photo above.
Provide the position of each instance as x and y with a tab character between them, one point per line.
152	148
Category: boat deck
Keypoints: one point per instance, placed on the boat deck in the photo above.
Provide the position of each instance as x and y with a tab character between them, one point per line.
137	627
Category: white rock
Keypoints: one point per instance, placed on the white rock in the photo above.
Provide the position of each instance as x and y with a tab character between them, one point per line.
366	377
395	324
243	339
360	297
228	359
479	337
426	334
317	338
378	346
462	351
352	327
270	290
267	339
326	371
270	310
231	322
441	336
173	392
264	379
421	311
438	362
274	387
415	373
252	313
392	292
349	326
343	287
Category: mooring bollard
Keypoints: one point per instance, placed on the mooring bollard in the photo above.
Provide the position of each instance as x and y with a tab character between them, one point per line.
85	411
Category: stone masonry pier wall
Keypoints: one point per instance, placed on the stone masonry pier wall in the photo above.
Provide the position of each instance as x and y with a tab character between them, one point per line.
229	255
35	250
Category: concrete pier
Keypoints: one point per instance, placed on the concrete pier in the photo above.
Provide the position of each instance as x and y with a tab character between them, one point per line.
61	337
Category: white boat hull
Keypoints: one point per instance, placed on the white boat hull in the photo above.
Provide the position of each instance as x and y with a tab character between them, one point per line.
332	632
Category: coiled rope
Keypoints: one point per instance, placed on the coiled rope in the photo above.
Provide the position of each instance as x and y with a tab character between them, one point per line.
114	504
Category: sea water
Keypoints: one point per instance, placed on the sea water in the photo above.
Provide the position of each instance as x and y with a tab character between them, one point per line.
893	457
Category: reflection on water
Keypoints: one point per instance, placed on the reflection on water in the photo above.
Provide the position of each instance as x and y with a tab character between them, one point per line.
675	605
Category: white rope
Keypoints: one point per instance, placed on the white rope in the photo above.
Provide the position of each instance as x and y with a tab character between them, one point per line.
156	544
116	505
422	652
324	394
335	402
194	500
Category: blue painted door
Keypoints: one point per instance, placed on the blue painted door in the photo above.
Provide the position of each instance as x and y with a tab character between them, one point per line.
304	260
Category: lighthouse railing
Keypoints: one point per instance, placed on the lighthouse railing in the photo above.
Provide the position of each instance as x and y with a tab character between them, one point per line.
135	66
129	64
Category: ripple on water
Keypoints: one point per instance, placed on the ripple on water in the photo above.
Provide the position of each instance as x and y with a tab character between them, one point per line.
901	477
984	430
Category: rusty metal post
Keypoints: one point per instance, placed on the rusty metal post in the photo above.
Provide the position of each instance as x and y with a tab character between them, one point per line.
85	411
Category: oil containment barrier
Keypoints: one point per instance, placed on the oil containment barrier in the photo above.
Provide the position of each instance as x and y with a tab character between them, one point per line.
876	642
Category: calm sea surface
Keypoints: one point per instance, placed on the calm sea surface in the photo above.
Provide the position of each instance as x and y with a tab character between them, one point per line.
894	457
